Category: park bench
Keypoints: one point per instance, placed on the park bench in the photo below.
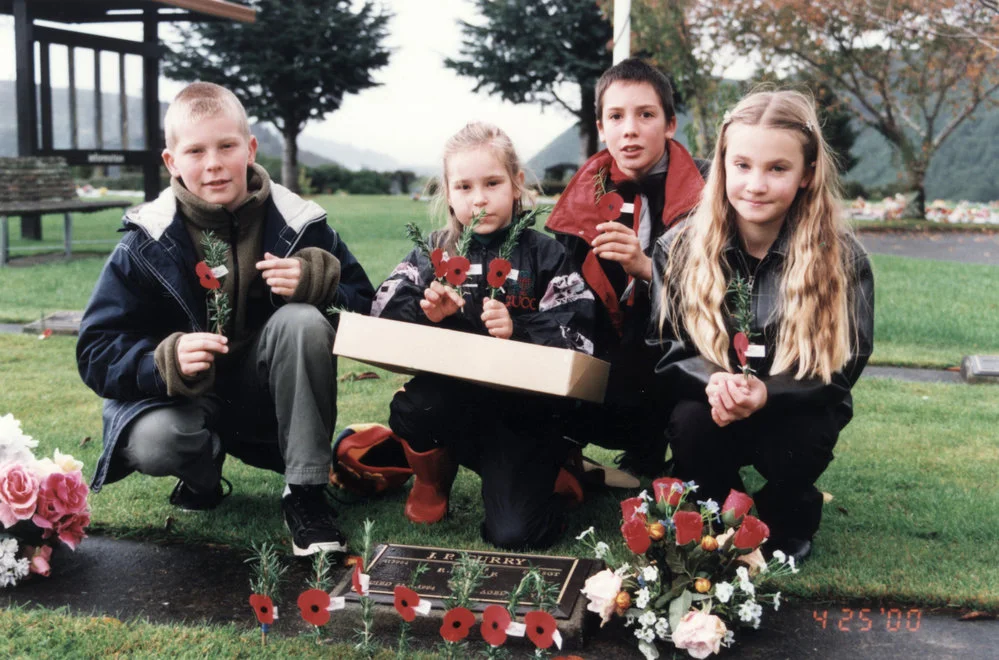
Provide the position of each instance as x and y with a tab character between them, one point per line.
35	185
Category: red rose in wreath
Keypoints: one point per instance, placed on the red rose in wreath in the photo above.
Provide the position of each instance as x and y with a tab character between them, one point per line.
629	509
540	628
313	603
751	534
689	526
736	505
494	623
406	601
438	262
741	344
457	623
668	489
636	535
263	607
208	279
457	270
499	269
609	206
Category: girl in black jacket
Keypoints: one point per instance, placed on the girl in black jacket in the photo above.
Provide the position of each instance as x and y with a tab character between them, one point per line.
764	278
511	439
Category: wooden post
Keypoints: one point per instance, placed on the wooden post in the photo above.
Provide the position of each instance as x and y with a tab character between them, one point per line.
27	129
151	101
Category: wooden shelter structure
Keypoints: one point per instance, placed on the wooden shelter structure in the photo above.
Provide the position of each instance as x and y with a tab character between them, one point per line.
34	105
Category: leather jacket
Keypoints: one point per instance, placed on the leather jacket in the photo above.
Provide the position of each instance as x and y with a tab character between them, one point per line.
686	373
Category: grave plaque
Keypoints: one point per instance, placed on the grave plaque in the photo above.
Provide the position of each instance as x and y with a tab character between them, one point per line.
980	368
393	564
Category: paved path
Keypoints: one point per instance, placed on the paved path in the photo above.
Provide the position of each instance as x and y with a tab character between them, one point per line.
964	247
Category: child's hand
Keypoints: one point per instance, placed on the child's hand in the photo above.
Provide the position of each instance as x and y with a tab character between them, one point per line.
733	397
497	318
196	351
619	243
281	275
440	302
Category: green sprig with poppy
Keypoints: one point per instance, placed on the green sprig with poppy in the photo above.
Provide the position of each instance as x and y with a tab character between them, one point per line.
740	297
500	267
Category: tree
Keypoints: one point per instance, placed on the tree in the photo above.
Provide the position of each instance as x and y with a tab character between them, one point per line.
294	64
524	49
912	70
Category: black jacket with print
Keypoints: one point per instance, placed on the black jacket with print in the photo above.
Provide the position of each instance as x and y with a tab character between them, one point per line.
549	303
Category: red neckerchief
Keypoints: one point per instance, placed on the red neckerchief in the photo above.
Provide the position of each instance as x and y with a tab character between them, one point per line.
575	213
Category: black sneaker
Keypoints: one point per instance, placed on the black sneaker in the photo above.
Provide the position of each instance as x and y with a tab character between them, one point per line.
309	517
186	498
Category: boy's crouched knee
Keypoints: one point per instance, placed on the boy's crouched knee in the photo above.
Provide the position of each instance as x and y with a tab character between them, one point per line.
303	323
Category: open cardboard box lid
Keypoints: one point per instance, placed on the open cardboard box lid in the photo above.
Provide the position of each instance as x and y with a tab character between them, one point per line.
411	347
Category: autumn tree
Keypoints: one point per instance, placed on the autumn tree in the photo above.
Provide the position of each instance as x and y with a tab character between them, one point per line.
524	50
294	64
912	70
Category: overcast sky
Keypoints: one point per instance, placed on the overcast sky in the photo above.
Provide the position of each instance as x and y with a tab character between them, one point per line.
417	107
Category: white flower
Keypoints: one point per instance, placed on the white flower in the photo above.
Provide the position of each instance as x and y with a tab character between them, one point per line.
15	447
724	591
790	562
648	619
650	573
623	569
601	549
748	587
649	650
691	486
709	506
644	495
662	628
743	574
780	556
749	612
645	634
729	638
642	597
601	589
585	533
776	601
12	569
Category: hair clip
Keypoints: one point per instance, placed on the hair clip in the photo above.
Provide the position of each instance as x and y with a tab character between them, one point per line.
727	117
808	126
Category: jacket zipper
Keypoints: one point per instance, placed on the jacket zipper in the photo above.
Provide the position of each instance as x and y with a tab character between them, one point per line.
234	249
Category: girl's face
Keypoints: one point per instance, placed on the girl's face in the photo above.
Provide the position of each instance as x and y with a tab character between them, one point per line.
764	170
478	181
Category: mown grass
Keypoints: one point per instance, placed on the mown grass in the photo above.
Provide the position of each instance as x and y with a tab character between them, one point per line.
928	313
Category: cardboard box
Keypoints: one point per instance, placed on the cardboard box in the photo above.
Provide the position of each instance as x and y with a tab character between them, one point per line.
411	348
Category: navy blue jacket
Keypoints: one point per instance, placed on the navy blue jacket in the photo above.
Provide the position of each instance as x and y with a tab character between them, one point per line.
148	289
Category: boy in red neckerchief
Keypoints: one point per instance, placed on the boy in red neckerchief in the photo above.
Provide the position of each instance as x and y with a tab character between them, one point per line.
609	217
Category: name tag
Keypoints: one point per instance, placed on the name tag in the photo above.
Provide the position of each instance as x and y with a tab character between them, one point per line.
756	351
627	208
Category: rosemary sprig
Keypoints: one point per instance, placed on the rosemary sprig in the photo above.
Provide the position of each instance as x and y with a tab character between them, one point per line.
216	254
461	249
513	237
419	240
740	295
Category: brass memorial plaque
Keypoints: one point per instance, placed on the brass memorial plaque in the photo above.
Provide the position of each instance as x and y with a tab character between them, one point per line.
393	564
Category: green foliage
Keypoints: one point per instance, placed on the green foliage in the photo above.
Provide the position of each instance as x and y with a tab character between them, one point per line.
522	50
294	64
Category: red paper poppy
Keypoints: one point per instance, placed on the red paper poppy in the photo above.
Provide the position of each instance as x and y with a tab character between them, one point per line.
263	607
208	280
741	344
668	489
609	206
540	628
457	270
457	622
313	604
355	579
406	601
636	535
498	271
438	262
751	534
629	509
494	622
689	526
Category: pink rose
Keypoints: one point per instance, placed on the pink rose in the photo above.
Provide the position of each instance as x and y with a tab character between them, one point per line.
18	493
70	529
62	494
701	634
602	590
39	559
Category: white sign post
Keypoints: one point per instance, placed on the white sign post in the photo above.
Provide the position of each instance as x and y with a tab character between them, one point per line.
622	30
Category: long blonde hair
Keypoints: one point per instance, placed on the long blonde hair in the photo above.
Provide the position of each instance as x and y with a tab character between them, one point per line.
475	135
814	304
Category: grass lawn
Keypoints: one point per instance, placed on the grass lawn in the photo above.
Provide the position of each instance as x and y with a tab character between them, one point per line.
914	487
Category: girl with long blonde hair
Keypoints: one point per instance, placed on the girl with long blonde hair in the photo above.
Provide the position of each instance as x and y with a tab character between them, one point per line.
765	313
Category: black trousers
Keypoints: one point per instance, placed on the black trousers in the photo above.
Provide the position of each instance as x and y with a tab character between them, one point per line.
791	448
510	439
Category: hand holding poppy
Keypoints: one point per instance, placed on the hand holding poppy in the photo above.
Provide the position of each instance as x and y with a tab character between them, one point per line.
733	397
497	319
440	302
196	351
281	275
617	242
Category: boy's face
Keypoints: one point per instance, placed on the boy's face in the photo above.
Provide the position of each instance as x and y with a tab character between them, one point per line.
634	126
210	157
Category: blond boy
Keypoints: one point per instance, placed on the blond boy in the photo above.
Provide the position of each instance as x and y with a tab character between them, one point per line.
179	397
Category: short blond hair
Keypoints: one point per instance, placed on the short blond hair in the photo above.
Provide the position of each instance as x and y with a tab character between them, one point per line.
200	100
